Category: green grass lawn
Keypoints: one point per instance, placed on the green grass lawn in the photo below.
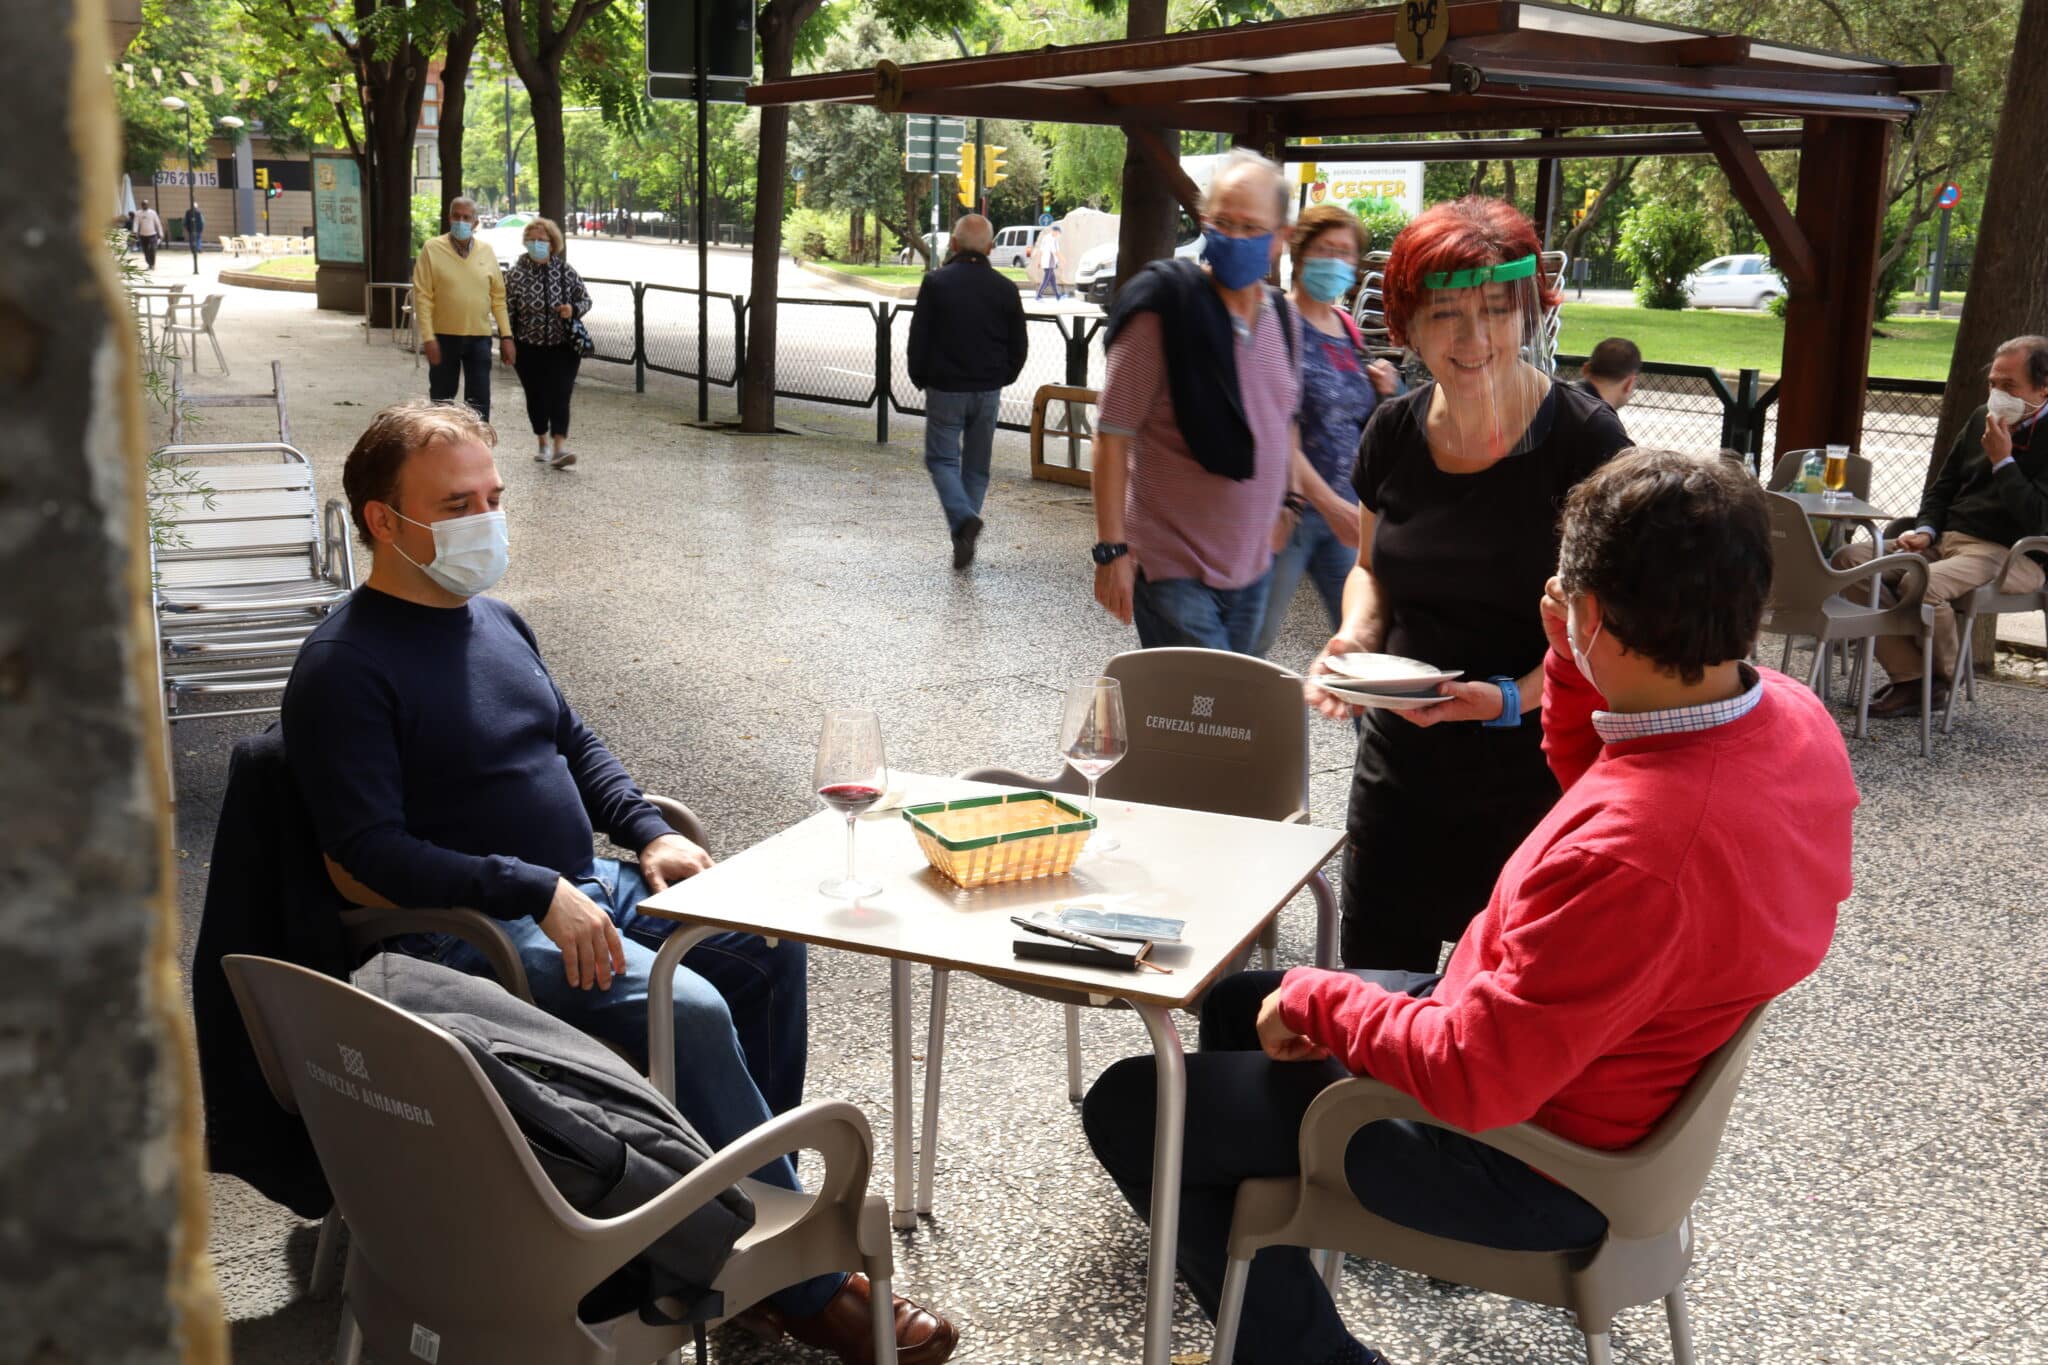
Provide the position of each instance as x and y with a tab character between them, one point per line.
897	274
1907	348
284	267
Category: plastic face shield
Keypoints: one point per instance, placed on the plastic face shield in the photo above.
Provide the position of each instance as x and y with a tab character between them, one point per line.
1475	329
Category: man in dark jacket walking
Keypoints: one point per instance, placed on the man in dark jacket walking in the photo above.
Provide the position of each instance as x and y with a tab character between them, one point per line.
966	343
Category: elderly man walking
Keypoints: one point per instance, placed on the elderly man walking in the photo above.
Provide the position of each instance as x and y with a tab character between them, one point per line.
457	293
966	343
1196	436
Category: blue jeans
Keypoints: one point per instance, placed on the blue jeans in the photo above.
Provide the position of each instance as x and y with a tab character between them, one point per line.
1244	1122
959	445
1049	280
1187	611
741	1022
467	359
1313	548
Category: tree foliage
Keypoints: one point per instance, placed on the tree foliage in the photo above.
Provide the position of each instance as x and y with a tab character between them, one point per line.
1663	243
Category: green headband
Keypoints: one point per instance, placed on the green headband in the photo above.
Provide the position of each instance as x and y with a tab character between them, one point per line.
1481	274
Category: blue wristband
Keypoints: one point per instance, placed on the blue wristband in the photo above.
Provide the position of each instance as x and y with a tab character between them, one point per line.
1510	705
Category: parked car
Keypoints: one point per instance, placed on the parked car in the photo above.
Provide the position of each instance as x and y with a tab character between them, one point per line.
934	242
1095	275
1012	250
1734	282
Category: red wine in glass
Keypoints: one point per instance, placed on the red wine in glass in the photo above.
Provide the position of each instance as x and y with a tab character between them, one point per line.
849	776
850	797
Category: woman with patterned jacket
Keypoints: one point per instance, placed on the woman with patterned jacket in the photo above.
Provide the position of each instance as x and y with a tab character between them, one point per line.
546	298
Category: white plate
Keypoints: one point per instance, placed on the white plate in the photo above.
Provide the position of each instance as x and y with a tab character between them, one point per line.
1388	672
1380	701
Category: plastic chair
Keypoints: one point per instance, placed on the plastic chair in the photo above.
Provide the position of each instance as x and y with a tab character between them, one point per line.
463	1251
209	310
1810	598
1991	600
1646	1193
1262	777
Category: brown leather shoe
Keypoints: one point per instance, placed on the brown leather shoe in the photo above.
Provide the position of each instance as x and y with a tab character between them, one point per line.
922	1336
1903	699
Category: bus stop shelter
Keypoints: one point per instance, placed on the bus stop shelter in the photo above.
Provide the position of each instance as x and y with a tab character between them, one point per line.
1363	80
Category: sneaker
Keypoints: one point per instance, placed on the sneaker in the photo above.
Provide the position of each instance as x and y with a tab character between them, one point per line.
541	456
963	542
563	459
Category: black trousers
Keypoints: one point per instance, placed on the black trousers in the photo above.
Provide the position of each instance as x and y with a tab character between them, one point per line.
467	359
1435	814
548	374
149	245
1244	1122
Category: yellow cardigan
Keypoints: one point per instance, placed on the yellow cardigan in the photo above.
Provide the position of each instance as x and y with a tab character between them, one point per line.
458	296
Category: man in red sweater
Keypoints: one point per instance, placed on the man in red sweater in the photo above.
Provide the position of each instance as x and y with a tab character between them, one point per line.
1690	872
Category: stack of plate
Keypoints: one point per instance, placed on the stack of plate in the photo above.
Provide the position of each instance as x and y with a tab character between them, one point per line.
1383	681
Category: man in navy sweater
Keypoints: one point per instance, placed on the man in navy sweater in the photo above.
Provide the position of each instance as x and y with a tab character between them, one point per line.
444	767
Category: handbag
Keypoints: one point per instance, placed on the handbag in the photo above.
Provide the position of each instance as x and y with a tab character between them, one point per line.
579	335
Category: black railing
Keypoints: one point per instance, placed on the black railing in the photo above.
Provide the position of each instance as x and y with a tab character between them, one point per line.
853	353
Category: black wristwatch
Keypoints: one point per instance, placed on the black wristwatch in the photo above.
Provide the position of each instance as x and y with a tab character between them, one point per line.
1106	553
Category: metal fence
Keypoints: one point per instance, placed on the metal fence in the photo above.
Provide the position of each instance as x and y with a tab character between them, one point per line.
854	353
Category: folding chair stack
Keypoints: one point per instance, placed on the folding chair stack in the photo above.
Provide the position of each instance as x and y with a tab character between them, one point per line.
251	564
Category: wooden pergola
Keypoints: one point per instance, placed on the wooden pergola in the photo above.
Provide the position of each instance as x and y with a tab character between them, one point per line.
1362	80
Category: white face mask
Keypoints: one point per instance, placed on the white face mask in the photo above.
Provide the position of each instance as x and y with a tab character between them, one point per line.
1580	653
2009	407
470	553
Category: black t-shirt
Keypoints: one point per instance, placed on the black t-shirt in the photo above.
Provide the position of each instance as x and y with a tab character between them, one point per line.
1461	559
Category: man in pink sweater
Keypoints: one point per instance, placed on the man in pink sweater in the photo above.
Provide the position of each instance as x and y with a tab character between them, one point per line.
1690	872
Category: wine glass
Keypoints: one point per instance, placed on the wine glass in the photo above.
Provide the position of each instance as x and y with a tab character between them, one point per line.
1093	739
850	775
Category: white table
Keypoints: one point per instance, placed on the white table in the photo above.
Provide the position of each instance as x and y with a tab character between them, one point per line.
1226	876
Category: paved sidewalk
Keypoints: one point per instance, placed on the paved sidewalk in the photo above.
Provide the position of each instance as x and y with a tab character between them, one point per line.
702	597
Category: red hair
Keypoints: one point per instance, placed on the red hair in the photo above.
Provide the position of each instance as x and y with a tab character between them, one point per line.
1456	236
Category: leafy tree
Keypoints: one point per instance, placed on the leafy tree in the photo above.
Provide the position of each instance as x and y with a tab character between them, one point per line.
179	38
455	64
1382	220
539	36
1663	243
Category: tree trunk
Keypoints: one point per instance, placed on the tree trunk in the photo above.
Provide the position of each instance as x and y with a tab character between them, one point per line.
1150	212
2005	298
779	22
455	101
1478	180
548	141
1508	170
1616	178
395	99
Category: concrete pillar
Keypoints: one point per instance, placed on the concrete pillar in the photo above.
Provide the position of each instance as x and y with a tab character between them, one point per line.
102	1191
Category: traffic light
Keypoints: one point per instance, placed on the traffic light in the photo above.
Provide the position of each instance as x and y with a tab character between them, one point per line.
967	174
273	191
993	173
263	180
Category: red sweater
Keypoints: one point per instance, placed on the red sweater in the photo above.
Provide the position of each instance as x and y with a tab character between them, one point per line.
1679	882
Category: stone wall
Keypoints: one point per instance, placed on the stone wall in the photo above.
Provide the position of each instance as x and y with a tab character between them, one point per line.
102	1215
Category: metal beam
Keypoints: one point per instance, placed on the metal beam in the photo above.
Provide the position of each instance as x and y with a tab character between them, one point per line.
1791	252
1538	148
1273	85
1664	92
1206	47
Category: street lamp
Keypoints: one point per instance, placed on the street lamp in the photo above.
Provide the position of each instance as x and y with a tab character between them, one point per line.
176	105
236	125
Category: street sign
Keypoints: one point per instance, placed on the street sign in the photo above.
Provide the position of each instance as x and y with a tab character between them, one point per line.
1045	220
672	49
1951	195
931	146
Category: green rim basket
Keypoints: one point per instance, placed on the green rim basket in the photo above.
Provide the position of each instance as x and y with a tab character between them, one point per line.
982	840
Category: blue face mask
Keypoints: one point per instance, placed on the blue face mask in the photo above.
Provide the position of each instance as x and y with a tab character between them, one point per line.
1326	278
460	229
1237	261
538	250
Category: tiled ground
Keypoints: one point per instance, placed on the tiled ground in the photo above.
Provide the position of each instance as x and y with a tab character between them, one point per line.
1881	1193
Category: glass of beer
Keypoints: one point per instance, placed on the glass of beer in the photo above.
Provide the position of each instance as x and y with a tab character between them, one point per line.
1835	474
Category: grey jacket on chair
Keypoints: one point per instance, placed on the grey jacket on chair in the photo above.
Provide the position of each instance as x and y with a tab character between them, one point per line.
605	1137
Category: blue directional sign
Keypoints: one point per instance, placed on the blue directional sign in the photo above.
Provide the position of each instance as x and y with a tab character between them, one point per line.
1045	220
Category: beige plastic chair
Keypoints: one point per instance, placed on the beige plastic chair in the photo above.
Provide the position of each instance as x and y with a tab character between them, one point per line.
463	1253
1786	470
1646	1193
201	325
1261	778
1990	600
1810	597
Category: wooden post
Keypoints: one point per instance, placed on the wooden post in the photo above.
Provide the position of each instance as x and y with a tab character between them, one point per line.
1827	326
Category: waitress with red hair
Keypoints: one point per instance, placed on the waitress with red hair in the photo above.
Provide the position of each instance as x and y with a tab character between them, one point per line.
1460	484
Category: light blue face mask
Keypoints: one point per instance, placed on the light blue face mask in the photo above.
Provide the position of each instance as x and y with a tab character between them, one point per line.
538	250
1326	278
461	229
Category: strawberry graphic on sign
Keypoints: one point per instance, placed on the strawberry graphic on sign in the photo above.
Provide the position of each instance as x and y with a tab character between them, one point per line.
1318	191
